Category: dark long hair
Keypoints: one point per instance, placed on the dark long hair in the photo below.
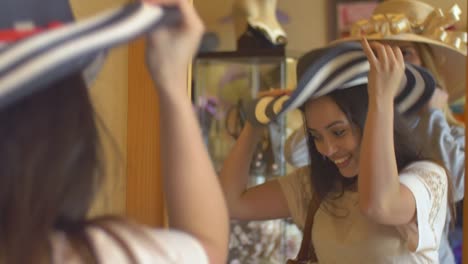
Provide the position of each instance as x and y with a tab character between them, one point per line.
325	177
49	170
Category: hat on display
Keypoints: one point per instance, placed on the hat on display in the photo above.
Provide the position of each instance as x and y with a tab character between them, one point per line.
339	66
419	22
41	45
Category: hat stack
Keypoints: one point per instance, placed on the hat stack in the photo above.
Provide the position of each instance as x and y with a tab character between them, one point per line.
418	22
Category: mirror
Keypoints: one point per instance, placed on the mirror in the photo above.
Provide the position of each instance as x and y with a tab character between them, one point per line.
308	25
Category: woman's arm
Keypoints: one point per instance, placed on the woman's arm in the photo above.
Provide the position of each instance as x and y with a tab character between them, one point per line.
381	196
265	201
194	197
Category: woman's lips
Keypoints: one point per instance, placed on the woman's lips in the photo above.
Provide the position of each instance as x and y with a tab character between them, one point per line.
342	162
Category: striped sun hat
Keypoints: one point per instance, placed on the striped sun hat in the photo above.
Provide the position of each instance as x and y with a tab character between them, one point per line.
341	66
33	60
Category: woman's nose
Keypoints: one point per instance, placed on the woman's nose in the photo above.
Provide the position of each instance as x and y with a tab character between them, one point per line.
328	148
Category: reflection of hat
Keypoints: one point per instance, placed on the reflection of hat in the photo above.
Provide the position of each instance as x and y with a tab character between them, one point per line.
50	54
21	18
415	21
340	66
39	13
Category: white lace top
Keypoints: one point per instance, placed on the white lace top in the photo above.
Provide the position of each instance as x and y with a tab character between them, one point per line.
350	237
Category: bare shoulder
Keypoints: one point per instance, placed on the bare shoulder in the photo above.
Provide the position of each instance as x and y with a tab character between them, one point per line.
124	242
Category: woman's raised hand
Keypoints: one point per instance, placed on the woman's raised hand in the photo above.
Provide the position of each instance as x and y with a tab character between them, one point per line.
387	67
170	49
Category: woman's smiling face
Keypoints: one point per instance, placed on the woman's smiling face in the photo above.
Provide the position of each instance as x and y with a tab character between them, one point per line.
334	136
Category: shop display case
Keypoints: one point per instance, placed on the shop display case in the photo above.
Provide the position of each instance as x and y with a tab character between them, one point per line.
223	85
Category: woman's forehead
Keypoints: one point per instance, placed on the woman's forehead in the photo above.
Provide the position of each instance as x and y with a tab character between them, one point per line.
322	111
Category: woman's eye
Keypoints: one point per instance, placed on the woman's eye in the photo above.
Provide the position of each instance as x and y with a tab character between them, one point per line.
407	52
314	137
339	132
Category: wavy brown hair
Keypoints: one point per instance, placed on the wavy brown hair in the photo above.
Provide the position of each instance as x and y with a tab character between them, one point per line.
49	171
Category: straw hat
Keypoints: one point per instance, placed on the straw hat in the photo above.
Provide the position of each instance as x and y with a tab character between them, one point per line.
44	54
415	21
340	66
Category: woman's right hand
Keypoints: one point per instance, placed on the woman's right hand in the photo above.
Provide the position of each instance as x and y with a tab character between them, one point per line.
170	49
387	68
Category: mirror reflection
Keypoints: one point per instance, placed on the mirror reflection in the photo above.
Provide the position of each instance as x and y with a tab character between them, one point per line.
358	144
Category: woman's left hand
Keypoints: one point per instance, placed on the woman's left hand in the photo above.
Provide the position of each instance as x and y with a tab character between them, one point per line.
170	49
387	67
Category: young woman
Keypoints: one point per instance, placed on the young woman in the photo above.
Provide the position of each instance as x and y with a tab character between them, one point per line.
441	134
50	171
380	200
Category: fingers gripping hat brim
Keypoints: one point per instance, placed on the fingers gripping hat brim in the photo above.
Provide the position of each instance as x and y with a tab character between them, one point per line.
343	66
37	61
256	110
265	109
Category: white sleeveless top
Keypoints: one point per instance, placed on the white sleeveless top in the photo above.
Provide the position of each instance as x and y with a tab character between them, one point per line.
148	245
350	237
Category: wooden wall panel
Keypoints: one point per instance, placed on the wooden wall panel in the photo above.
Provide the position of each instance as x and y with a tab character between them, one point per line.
133	185
145	201
144	186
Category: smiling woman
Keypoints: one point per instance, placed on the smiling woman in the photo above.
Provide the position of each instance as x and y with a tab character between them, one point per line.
436	126
335	138
380	200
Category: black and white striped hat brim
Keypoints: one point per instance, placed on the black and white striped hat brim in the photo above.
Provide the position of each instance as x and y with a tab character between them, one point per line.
341	66
37	61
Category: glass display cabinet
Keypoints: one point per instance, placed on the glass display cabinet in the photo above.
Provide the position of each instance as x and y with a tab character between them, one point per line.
223	85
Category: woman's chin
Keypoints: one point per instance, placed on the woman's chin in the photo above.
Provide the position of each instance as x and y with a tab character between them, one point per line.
348	173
